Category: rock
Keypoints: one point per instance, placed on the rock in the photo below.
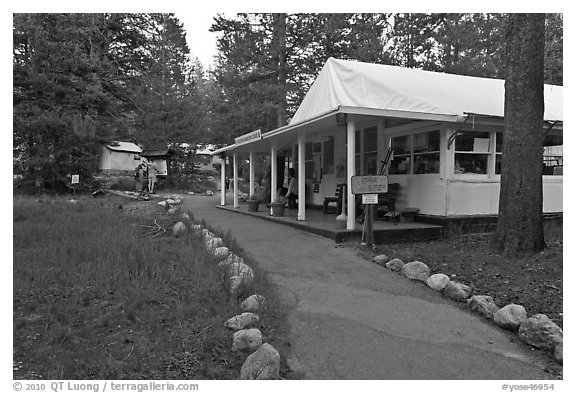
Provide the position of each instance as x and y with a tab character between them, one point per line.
170	201
234	283
395	265
196	227
252	303
172	211
206	233
240	269
241	321
540	332
221	252
483	305
179	229
559	353
510	316
380	259
231	258
438	281
209	193
213	242
163	203
185	216
457	291
416	271
262	364
246	339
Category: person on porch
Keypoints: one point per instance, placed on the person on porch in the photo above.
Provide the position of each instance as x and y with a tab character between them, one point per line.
292	194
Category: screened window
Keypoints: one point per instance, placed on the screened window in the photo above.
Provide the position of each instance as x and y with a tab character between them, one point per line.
426	147
402	160
472	151
328	156
553	155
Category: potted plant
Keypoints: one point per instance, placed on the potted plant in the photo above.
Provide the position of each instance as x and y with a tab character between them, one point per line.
253	204
278	206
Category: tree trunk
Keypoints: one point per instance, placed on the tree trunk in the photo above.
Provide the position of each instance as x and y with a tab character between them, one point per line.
520	227
280	35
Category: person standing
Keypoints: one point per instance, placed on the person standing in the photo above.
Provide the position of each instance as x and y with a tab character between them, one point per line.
292	194
152	176
139	178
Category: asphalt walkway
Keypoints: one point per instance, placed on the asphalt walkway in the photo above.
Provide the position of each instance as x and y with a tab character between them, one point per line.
353	319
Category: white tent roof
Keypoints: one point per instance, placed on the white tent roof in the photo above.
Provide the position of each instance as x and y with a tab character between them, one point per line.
344	83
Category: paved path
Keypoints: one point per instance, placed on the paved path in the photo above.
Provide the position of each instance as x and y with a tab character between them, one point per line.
352	319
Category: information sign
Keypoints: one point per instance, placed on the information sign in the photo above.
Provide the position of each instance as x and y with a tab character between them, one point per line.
369	184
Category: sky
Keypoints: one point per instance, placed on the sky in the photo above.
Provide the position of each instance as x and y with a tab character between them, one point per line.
201	42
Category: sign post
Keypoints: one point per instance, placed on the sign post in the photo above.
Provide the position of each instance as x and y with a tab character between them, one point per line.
369	187
75	180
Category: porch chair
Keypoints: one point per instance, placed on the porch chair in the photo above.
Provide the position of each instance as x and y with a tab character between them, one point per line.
389	200
337	198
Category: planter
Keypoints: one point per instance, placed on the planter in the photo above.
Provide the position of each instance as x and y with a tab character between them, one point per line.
278	208
253	205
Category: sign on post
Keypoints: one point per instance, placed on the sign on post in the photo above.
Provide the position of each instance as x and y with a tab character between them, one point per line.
75	179
369	184
369	199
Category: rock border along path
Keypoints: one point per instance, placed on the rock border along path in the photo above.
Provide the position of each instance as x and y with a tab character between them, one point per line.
351	319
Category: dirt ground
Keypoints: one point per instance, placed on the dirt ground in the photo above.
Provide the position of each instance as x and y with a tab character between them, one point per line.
534	282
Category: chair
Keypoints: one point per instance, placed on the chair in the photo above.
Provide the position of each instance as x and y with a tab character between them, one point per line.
389	199
337	198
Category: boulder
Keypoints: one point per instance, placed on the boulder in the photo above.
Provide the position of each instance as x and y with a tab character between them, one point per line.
559	353
438	281
213	242
209	193
540	332
252	303
416	271
510	316
234	284
163	203
246	339
239	322
170	201
483	305
179	229
172	211
380	259
196	227
240	269
457	291
206	233
262	364
221	252
395	265
231	258
185	216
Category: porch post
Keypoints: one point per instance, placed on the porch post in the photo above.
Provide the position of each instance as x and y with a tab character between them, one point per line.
235	180
223	181
350	139
301	180
251	174
273	174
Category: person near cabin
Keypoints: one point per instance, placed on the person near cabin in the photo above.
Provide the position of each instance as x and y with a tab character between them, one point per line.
292	194
152	176
139	178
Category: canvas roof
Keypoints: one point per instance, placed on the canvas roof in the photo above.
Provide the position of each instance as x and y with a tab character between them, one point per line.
345	83
347	86
125	146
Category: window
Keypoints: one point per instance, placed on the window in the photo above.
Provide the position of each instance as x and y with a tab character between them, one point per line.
366	151
426	148
553	157
472	151
416	154
499	142
402	160
308	160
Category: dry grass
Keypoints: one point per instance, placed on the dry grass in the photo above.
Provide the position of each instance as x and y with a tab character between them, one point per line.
96	296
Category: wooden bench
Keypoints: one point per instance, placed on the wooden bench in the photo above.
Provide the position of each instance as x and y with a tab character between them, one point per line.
337	198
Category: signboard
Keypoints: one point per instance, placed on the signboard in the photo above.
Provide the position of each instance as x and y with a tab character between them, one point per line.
75	179
248	138
369	199
369	184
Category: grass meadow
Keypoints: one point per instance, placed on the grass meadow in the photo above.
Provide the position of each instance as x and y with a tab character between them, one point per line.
98	294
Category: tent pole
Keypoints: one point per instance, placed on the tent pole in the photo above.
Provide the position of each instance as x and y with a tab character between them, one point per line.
235	180
223	181
351	140
301	179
